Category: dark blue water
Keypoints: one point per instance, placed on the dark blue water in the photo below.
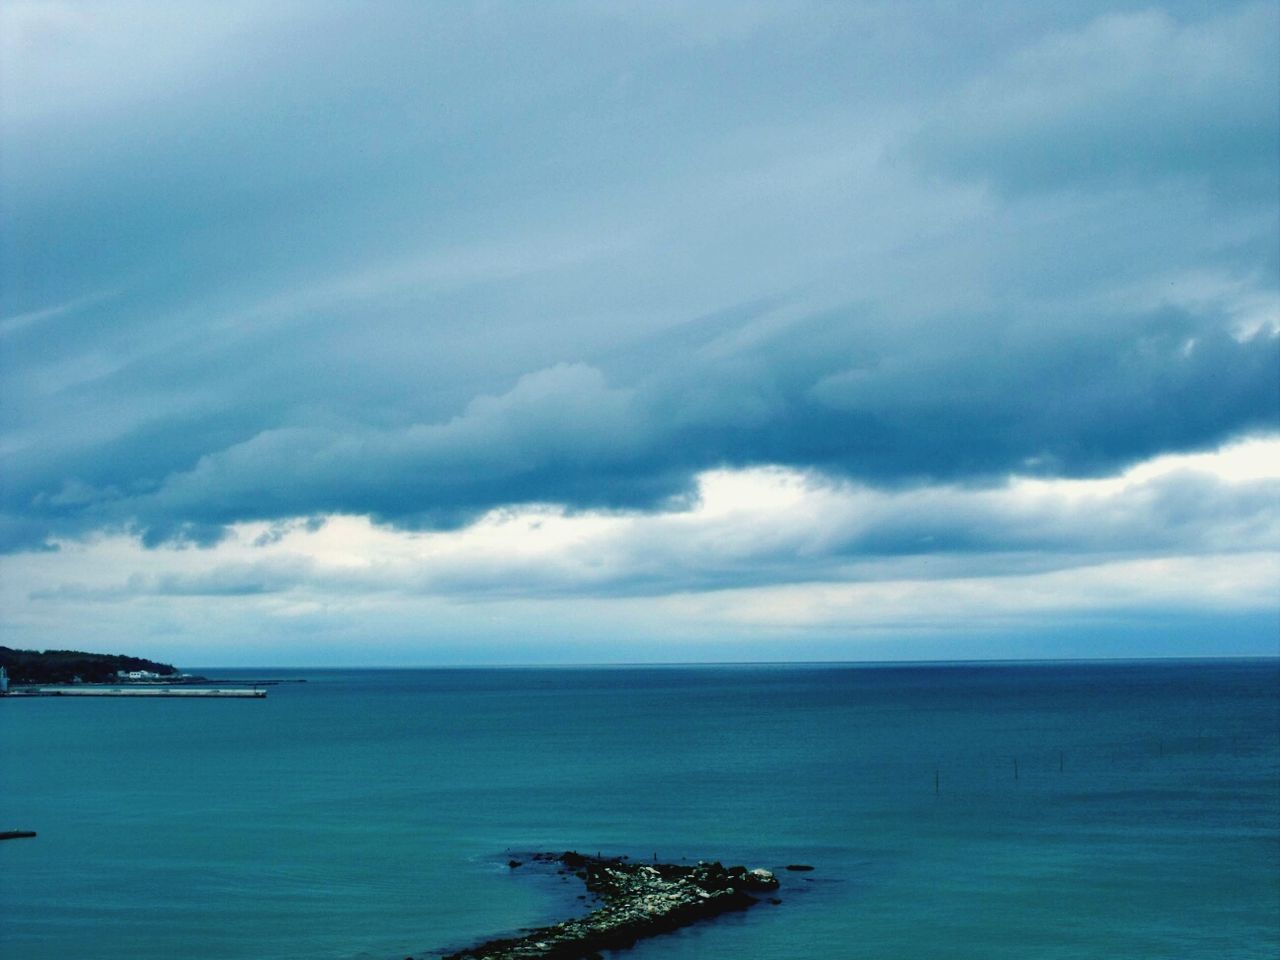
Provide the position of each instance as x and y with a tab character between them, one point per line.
365	813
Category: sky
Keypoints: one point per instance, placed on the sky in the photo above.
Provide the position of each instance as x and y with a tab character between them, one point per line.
391	333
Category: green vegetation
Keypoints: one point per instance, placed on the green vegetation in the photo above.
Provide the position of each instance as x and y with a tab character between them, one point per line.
64	666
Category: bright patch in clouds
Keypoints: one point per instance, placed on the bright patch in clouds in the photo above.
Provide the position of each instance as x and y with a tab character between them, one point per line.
759	550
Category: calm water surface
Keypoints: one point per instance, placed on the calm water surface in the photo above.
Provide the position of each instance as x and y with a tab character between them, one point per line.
365	814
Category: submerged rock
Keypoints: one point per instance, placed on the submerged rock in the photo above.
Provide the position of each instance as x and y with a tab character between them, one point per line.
637	900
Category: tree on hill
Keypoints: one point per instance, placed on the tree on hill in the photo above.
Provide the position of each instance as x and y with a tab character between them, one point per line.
63	666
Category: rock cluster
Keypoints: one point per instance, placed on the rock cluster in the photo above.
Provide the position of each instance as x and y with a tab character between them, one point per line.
637	900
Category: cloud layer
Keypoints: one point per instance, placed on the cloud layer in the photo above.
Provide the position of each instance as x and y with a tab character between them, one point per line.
759	555
415	265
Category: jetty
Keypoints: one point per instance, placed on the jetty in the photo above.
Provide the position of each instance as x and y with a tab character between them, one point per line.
637	900
138	691
16	834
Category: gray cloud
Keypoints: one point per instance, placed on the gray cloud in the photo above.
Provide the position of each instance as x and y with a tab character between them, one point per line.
1130	97
415	287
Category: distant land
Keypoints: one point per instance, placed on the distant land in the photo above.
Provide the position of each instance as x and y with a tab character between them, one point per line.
71	666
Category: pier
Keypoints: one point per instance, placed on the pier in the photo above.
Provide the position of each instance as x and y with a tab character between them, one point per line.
87	691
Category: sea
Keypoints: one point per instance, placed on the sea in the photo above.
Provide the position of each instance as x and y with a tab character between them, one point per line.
963	810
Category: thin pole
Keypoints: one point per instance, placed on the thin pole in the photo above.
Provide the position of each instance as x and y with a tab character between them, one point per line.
1015	768
936	788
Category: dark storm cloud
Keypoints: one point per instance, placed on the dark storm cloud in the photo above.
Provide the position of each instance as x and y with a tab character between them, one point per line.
966	407
422	264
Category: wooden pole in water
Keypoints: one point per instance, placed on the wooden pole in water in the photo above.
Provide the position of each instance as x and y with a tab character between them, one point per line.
1059	761
936	789
1015	768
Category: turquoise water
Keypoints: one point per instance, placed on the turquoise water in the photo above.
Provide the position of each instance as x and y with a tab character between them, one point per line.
365	814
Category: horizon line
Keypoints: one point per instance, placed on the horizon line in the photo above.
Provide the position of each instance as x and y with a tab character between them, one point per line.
743	663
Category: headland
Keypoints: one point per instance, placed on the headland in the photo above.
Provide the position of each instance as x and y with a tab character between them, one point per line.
33	667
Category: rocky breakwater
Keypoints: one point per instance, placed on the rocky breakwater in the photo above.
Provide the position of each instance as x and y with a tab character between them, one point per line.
636	900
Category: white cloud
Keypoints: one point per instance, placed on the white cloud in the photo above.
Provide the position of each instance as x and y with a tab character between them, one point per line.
765	548
1214	583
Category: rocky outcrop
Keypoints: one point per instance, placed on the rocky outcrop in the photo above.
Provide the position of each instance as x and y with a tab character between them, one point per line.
636	900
